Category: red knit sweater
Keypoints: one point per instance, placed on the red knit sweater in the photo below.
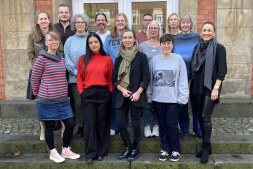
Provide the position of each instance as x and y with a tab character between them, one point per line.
98	72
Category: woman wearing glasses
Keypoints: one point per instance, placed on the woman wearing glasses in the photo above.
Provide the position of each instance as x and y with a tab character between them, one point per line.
75	47
151	47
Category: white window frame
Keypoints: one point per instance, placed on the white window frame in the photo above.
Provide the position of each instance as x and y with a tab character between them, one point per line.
124	6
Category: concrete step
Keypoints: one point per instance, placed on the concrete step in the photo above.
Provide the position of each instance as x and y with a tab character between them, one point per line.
221	145
145	161
233	108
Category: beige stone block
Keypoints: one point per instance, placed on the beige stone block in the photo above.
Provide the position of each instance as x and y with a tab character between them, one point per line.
10	23
225	36
13	74
26	22
225	18
189	7
223	4
244	19
15	40
238	54
247	4
16	92
236	88
17	6
242	36
15	57
239	71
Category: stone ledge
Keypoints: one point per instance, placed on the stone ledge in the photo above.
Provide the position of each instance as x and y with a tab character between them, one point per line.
232	108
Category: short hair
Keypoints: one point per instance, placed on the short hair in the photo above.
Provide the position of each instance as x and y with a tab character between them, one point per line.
210	23
187	17
74	18
166	38
54	35
100	13
147	14
63	5
159	29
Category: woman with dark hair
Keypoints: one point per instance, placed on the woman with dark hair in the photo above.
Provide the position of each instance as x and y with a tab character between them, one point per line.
94	83
36	43
168	91
131	79
51	88
208	70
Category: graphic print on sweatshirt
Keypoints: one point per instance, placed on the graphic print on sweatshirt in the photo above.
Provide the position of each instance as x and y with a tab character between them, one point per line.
114	42
164	78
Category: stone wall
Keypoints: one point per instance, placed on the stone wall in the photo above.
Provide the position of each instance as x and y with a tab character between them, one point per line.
17	19
234	30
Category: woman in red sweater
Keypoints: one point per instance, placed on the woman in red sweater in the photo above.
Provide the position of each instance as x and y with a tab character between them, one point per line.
94	83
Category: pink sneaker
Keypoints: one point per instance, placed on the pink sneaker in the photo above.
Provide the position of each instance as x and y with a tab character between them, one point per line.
67	153
55	156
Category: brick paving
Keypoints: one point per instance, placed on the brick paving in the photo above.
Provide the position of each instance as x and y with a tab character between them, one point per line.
221	126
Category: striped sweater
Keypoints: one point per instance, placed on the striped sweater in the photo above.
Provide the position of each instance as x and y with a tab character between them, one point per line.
49	78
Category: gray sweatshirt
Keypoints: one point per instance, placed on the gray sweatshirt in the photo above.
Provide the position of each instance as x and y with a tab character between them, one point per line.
169	82
149	51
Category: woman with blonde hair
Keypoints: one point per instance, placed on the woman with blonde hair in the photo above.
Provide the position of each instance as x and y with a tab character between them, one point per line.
36	43
111	47
151	47
172	24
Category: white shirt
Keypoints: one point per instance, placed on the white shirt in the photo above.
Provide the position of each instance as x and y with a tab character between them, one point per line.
103	36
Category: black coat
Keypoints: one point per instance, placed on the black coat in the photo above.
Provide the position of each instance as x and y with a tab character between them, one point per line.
139	77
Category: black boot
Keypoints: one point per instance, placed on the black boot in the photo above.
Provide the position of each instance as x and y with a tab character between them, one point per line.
127	151
205	152
135	152
198	154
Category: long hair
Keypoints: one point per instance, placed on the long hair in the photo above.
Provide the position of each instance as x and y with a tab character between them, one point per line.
88	56
37	32
168	29
114	28
160	30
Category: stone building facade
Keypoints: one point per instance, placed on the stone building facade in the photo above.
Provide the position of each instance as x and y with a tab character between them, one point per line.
233	19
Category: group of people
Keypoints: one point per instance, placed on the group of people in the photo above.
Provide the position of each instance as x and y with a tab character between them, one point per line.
111	74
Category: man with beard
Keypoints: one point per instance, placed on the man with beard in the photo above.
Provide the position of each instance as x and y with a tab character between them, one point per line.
63	27
101	21
142	35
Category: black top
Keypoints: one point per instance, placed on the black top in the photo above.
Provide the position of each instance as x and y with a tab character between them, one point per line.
139	77
219	72
65	34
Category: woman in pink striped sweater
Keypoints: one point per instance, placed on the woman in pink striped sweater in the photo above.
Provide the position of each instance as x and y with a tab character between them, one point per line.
50	87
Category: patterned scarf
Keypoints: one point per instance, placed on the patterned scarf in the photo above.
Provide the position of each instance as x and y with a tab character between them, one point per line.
206	56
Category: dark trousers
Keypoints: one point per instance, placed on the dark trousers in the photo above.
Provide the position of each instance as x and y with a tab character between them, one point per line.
96	102
135	114
204	106
67	135
75	102
167	117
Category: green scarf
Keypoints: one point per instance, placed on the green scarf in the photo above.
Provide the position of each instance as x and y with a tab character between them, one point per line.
125	66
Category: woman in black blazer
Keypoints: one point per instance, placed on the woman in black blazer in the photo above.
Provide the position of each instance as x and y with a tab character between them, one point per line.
131	78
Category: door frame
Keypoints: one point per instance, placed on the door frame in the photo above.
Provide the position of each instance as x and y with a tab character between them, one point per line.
124	6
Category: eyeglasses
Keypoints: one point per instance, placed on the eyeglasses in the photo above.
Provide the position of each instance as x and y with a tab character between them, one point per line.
81	22
154	28
52	40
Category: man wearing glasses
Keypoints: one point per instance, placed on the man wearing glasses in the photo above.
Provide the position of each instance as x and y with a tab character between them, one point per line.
142	35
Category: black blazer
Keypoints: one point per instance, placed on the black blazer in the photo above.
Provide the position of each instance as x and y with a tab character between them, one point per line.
139	77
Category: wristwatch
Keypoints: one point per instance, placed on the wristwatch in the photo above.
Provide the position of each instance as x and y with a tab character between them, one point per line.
216	87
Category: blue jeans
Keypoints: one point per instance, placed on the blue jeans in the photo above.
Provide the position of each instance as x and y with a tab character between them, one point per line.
148	114
184	120
167	117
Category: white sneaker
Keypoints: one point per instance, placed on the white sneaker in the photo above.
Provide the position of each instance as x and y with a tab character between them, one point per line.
112	132
55	156
67	153
155	131
147	131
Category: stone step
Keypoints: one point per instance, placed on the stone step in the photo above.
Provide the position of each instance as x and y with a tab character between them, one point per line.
233	108
145	161
221	145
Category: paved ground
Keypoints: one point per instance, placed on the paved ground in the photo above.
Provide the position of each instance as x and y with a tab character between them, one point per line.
221	126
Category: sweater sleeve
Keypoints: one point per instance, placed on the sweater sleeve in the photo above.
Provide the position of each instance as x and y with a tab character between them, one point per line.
70	65
30	49
183	90
109	75
79	76
222	62
37	72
